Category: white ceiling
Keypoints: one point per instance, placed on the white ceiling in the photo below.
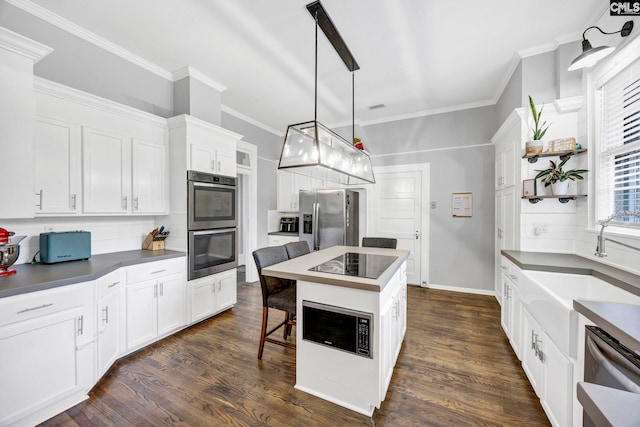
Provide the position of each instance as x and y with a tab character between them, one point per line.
416	56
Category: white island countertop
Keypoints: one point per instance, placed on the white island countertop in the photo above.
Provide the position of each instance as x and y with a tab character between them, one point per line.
298	268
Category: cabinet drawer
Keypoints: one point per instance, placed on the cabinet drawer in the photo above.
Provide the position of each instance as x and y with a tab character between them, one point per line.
152	270
34	304
109	283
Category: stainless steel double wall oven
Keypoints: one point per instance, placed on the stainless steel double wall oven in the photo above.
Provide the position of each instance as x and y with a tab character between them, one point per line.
212	223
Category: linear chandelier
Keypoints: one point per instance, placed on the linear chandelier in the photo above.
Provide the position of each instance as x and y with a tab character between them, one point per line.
312	149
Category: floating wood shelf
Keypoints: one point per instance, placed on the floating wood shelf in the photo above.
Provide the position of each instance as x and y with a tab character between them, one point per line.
532	158
562	199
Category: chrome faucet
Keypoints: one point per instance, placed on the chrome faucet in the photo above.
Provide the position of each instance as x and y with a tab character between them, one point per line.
600	251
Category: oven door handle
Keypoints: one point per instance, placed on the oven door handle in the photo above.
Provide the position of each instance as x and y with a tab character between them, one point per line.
216	231
608	358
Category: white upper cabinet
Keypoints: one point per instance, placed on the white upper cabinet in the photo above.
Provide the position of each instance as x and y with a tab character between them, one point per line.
57	166
106	161
206	147
17	114
148	177
289	186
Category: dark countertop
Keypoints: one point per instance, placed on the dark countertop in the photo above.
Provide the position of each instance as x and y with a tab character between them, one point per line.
575	264
622	321
609	407
38	277
283	233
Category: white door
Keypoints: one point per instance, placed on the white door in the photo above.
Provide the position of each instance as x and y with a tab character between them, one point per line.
395	209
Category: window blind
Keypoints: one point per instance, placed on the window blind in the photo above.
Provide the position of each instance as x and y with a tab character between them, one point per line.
618	161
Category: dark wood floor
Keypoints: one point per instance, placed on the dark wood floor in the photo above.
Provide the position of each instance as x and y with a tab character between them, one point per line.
456	368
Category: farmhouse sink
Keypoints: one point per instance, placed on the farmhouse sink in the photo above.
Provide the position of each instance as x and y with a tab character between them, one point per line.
548	297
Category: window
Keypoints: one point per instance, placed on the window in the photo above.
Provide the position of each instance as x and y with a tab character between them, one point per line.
618	157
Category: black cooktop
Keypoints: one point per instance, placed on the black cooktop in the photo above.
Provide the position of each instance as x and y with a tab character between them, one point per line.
354	264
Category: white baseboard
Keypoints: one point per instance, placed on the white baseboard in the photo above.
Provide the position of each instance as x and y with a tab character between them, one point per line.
489	292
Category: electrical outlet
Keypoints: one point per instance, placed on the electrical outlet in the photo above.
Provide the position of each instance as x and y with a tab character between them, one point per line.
49	228
539	228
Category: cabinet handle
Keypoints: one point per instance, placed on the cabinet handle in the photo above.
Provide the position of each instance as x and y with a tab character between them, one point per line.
513	276
124	203
220	286
504	267
81	325
155	290
34	308
539	352
219	165
213	165
135	203
534	339
39	194
113	284
105	318
73	202
159	271
161	289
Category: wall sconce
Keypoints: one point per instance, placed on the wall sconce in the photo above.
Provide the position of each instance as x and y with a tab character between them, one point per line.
590	55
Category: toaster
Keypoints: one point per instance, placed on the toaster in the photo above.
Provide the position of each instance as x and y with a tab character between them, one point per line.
64	246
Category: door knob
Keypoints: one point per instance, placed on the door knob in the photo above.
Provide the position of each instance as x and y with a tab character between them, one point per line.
417	234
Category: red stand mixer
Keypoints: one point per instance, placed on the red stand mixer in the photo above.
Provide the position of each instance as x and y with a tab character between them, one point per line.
8	252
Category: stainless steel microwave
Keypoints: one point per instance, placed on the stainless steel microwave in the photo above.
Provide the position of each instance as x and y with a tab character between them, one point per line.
211	201
338	327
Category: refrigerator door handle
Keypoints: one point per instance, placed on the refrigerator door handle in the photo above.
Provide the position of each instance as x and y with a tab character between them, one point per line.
315	218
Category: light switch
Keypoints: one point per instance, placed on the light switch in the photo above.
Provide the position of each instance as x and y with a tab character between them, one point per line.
433	205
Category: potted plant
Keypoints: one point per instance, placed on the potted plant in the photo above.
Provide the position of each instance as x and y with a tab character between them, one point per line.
559	178
534	146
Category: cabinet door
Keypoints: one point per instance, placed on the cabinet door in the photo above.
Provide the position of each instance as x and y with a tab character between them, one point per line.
106	177
285	191
57	166
38	364
300	182
556	399
171	303
385	347
148	177
202	298
515	323
202	158
142	314
226	162
509	166
227	289
108	330
505	313
530	360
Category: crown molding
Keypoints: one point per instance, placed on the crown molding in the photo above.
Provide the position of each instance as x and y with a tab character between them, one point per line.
23	46
79	97
185	120
249	120
72	28
192	72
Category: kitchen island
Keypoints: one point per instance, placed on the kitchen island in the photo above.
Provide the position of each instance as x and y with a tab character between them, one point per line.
356	378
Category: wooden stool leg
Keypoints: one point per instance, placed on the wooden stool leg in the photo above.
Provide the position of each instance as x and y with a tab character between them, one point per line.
285	333
263	333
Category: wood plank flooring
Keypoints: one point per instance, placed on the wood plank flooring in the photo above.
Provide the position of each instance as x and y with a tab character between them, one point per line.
456	368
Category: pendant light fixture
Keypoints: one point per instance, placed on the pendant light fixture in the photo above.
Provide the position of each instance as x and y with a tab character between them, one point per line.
590	55
312	149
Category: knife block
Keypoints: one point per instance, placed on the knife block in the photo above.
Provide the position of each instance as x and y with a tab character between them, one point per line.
152	245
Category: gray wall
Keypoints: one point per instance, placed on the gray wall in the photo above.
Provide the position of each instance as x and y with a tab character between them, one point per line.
461	249
82	65
511	97
269	146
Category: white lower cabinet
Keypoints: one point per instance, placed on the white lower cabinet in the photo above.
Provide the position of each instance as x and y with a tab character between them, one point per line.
393	319
212	294
549	370
108	319
47	352
155	301
278	240
510	317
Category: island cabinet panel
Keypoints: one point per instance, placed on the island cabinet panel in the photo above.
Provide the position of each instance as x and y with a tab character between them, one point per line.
353	381
48	350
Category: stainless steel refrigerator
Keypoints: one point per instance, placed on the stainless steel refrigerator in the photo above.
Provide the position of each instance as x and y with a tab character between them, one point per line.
329	218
